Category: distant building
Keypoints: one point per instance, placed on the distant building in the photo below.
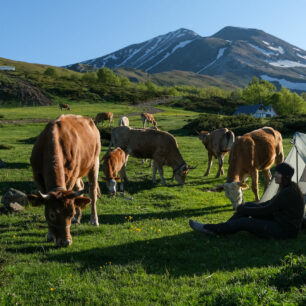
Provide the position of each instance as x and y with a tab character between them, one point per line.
12	68
256	110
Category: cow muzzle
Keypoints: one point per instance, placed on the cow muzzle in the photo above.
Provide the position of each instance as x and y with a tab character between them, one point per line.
60	242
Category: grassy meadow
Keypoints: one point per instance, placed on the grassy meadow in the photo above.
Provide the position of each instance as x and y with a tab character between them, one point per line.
143	252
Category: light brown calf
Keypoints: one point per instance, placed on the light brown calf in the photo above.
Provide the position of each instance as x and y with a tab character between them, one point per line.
218	143
146	117
101	117
65	151
253	151
64	106
114	162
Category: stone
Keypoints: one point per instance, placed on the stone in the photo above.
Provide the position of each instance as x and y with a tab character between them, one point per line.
14	207
14	196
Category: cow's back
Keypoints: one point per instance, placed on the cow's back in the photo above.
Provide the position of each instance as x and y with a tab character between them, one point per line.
68	146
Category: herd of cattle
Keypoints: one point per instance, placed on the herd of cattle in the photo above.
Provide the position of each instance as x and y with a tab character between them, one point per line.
68	149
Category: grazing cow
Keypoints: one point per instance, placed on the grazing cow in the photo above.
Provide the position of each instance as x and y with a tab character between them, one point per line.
65	151
146	117
124	121
101	117
217	143
114	162
253	151
64	106
155	144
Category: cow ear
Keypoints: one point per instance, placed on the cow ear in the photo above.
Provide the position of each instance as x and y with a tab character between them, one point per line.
243	185
36	200
82	202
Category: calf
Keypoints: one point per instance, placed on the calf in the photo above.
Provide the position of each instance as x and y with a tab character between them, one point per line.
253	151
65	151
154	144
124	121
146	117
217	143
64	106
101	117
114	162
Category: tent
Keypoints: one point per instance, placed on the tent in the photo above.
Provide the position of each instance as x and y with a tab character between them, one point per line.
297	159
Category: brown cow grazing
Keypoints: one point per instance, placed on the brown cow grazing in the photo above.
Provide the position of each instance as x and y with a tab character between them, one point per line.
253	151
154	144
146	117
218	143
114	162
101	117
65	151
64	106
124	121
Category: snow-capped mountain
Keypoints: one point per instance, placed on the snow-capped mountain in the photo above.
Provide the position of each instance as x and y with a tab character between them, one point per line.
235	54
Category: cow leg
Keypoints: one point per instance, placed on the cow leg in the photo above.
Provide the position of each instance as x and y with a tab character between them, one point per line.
267	177
93	191
154	172
150	163
161	175
79	185
209	164
220	170
254	176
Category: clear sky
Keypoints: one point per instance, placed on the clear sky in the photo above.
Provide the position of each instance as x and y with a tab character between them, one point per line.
62	32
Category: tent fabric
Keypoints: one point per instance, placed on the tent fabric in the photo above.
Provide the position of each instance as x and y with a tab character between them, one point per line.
297	159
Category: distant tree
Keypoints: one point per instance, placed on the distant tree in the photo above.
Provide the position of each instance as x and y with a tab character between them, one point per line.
90	77
258	92
50	72
107	76
303	95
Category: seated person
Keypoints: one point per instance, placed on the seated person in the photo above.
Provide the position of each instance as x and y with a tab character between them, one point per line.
280	218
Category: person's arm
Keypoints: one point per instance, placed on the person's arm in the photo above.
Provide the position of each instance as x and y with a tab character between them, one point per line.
268	207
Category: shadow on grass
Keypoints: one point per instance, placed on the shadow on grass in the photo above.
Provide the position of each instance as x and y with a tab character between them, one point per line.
15	165
185	254
24	186
30	140
120	218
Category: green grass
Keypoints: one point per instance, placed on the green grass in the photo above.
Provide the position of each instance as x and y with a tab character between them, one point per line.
143	252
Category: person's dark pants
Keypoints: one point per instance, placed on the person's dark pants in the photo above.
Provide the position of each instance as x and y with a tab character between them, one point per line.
263	227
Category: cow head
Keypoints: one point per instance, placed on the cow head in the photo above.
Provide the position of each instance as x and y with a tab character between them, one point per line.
233	191
181	172
112	185
203	136
59	211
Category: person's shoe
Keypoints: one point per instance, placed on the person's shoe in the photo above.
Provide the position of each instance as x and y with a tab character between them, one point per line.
197	226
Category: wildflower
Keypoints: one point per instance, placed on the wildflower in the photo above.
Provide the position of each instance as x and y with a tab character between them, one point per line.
138	229
159	230
51	289
14	236
101	267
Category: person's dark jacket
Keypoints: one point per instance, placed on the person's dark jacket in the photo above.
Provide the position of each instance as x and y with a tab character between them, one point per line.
286	208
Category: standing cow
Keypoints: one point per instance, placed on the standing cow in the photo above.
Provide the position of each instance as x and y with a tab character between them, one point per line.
101	117
65	151
149	118
124	121
155	144
64	106
218	143
114	163
253	151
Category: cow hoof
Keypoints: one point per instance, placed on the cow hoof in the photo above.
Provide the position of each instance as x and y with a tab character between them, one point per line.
76	221
50	238
206	174
94	223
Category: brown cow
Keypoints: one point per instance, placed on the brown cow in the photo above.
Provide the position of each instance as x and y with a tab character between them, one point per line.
217	143
253	151
114	162
155	144
65	151
146	117
64	106
101	117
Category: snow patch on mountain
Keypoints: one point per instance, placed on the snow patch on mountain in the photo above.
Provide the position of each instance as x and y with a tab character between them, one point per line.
286	64
182	44
300	55
165	56
279	49
220	54
285	83
267	53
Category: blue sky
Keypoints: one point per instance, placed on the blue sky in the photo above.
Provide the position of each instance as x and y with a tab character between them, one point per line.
62	32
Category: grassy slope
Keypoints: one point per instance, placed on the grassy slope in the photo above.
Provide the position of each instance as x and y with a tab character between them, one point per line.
144	251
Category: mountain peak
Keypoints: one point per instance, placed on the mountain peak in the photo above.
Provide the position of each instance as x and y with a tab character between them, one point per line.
237	33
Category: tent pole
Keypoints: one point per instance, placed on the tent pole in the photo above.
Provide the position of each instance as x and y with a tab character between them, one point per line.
297	163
